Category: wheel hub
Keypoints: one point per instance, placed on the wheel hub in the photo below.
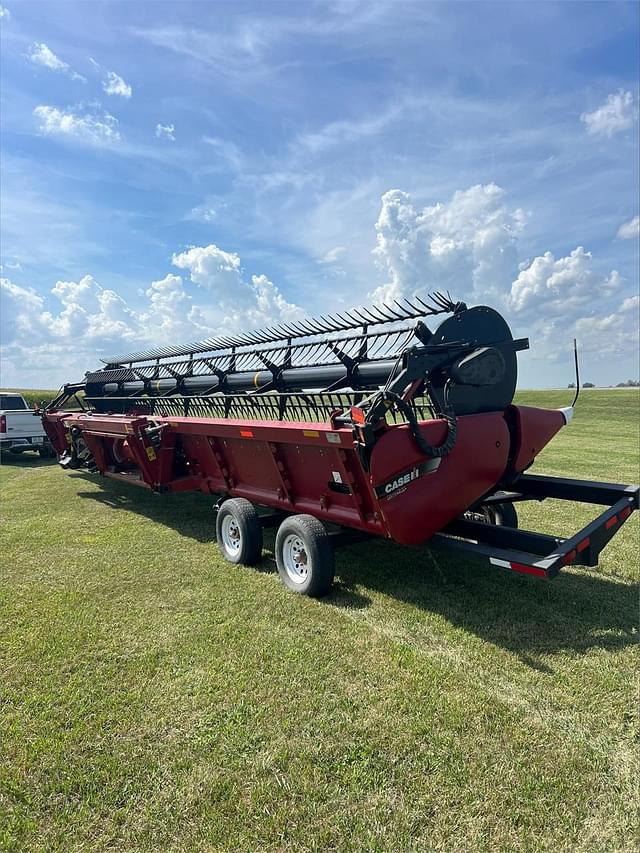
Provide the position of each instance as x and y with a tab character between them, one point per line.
231	535
295	557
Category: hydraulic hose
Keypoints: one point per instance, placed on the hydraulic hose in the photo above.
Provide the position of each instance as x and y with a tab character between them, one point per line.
448	414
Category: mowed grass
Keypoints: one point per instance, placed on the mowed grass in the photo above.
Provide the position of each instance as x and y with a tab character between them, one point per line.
154	697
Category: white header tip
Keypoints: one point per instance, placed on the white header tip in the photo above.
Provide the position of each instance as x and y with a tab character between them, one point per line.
567	414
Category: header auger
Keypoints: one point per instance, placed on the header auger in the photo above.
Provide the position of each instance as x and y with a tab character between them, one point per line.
363	423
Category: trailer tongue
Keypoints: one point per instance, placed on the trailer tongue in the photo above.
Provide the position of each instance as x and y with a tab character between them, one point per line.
367	421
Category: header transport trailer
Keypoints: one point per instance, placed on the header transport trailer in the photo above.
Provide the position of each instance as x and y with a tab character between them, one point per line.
363	423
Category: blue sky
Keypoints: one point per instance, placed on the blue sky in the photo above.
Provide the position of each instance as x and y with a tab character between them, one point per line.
170	170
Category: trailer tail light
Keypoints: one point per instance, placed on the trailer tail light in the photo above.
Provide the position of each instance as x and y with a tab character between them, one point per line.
3	423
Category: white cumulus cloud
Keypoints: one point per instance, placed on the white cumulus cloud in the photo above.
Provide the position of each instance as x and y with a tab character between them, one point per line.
172	313
115	85
41	54
215	297
95	127
467	244
90	312
560	286
165	131
236	300
17	303
616	114
601	333
629	230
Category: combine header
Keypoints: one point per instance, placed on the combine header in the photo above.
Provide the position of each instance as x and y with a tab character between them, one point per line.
363	423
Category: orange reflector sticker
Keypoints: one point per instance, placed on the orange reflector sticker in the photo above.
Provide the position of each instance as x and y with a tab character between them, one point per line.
311	433
246	433
625	513
613	520
568	558
584	544
357	415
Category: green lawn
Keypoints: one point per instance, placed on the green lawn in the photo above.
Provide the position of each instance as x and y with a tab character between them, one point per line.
154	697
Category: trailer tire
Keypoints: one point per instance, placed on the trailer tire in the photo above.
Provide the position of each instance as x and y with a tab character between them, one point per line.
304	555
502	515
239	532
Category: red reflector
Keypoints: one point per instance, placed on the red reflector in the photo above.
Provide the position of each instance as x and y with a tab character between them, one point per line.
528	570
584	544
357	415
246	433
568	558
625	513
613	520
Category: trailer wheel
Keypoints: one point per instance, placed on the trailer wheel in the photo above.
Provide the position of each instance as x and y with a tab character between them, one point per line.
502	515
304	555
239	532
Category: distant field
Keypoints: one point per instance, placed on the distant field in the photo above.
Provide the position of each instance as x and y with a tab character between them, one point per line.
156	698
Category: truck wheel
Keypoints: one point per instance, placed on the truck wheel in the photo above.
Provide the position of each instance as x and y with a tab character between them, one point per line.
304	555
46	452
502	515
239	532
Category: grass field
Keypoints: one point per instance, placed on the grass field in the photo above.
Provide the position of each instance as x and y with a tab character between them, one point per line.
154	697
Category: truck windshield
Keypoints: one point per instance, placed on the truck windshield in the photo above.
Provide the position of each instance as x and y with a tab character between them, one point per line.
12	402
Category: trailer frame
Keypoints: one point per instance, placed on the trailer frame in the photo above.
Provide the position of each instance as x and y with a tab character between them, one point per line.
531	553
513	548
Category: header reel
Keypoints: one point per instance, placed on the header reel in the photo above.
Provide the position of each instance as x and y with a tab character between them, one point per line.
381	358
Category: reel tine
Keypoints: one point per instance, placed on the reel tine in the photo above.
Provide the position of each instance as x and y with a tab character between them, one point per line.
325	327
408	312
363	316
371	317
377	309
391	311
306	327
347	322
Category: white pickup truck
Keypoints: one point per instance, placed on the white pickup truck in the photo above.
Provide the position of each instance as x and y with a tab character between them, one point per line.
20	428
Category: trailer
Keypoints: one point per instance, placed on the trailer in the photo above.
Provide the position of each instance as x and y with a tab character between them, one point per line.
365	423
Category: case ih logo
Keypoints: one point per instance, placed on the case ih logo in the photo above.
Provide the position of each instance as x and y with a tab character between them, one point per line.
399	483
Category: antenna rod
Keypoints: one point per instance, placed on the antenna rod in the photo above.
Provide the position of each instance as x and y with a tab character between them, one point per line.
575	358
